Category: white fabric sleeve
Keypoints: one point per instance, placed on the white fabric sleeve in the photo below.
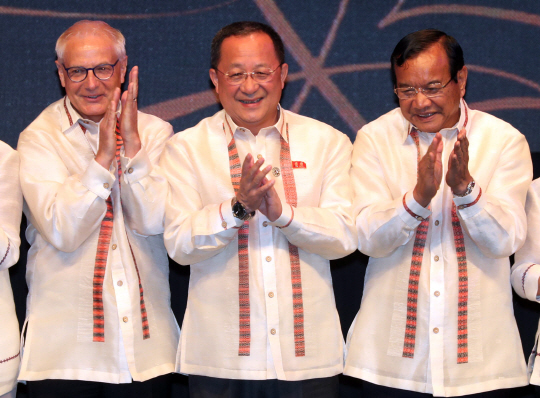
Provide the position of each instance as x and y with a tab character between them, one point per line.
497	222
193	232
64	207
144	188
382	222
11	207
526	268
327	229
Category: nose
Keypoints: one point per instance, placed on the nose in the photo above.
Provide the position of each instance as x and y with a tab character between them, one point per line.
421	101
91	82
249	86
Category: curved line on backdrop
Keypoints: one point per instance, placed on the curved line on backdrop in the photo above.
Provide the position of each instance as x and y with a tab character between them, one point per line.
26	12
182	106
489	12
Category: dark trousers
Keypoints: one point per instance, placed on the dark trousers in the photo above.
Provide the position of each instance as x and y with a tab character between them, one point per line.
371	390
158	387
211	387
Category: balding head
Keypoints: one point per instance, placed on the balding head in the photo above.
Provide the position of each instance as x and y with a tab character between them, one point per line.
87	28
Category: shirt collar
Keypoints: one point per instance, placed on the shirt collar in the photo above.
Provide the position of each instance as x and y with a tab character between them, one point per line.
464	110
91	126
279	126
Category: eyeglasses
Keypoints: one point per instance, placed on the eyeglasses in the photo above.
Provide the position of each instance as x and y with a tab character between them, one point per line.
77	74
434	90
260	75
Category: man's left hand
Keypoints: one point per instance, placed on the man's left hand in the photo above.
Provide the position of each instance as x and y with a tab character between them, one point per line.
128	119
458	176
271	204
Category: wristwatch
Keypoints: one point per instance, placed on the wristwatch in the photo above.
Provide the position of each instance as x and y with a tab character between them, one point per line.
468	190
240	212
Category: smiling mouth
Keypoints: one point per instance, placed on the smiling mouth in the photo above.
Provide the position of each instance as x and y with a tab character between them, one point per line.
425	115
247	102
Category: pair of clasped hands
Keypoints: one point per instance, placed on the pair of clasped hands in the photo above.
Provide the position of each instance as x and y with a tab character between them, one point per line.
128	123
256	191
430	169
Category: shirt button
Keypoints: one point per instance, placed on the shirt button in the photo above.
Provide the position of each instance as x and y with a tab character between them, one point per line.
224	224
268	258
271	294
436	222
265	224
461	207
437	293
259	156
435	330
130	170
436	258
119	283
114	246
419	218
273	331
125	319
106	186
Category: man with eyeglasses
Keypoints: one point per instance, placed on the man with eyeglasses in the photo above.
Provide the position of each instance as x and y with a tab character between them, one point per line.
258	204
98	315
439	206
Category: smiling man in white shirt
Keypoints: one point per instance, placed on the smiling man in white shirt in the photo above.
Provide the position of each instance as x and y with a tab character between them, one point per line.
98	314
439	196
258	204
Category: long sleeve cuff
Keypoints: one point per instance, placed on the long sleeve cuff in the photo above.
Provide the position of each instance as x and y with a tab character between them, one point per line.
411	212
4	247
286	219
98	180
226	218
529	282
136	168
471	204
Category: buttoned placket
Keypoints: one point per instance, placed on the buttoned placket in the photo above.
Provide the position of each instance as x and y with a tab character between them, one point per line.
115	262
258	148
441	206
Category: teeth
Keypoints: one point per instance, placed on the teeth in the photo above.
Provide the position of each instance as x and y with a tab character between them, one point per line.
250	102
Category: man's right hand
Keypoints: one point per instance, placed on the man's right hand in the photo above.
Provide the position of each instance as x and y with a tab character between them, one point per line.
429	173
107	135
253	185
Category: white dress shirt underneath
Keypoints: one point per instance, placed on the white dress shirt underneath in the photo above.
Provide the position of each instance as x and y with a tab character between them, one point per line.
384	170
526	268
65	191
10	222
196	163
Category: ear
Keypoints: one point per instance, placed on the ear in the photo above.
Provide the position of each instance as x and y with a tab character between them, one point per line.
214	78
123	69
284	72
61	71
462	80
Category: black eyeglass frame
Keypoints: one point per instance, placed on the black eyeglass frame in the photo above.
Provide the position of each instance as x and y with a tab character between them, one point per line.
93	71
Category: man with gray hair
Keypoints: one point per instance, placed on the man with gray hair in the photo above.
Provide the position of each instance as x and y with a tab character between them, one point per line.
98	313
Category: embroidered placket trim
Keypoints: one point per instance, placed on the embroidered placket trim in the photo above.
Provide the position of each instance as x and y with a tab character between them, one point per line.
296	276
102	253
414	276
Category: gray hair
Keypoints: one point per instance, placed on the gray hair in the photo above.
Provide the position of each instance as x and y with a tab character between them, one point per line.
91	28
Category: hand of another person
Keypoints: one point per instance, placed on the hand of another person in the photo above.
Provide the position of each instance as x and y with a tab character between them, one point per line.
107	135
128	119
458	176
429	173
